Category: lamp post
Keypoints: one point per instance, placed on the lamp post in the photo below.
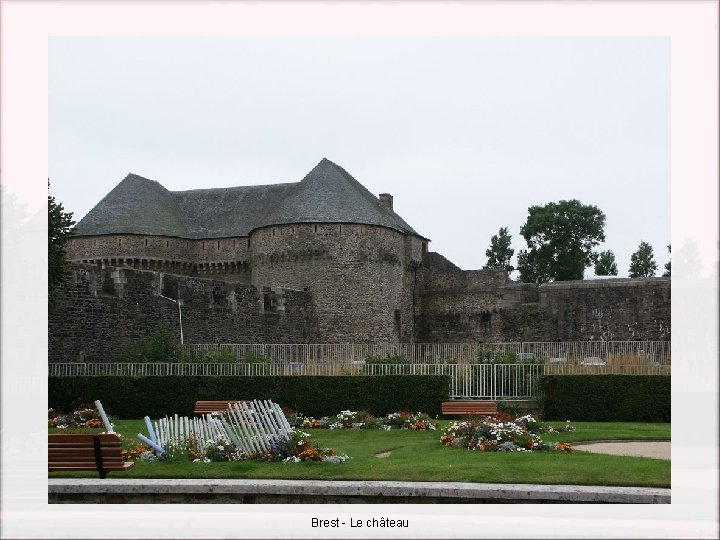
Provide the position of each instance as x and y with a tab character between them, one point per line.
179	305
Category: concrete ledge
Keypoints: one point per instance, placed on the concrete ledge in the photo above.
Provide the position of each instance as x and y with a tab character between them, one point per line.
153	491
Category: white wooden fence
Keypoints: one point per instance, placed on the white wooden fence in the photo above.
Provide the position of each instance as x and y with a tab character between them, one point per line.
471	381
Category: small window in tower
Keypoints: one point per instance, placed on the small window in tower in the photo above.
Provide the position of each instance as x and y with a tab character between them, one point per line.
248	241
233	242
315	228
273	231
340	228
203	245
95	242
397	321
218	244
146	242
119	241
167	243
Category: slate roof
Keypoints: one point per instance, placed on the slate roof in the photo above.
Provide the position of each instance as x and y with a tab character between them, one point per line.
328	194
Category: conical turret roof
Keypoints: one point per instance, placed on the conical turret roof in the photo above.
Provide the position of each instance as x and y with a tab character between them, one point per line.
329	194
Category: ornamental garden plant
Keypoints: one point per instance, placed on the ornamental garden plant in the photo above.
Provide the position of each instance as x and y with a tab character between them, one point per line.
82	416
498	434
294	448
363	420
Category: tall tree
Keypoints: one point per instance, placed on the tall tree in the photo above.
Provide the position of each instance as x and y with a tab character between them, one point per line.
667	264
59	230
560	238
642	262
499	253
605	265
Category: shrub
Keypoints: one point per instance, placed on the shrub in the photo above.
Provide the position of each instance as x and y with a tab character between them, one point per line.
387	359
255	358
218	356
494	357
607	398
135	397
391	359
157	346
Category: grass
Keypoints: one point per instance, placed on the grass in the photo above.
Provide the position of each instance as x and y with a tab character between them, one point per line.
419	456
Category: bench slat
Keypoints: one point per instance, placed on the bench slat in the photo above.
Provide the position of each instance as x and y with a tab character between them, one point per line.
83	437
87	467
76	452
207	407
486	408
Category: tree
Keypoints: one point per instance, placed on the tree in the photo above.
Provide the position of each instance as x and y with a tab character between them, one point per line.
667	264
560	238
499	253
59	230
642	262
605	265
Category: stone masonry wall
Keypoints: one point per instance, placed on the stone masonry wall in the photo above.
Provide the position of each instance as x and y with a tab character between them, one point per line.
361	276
620	309
470	306
101	311
157	247
483	306
218	258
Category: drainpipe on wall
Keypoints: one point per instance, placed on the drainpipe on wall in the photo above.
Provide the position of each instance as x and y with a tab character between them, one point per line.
179	305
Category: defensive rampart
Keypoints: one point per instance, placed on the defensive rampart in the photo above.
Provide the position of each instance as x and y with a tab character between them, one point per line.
483	305
101	311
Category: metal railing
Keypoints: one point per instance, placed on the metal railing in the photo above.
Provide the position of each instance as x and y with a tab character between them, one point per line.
616	352
470	381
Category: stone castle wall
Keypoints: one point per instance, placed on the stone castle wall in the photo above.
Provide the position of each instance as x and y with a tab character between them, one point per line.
483	305
477	305
102	311
219	258
361	276
620	309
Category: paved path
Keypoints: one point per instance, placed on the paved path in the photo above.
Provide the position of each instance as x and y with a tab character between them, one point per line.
651	449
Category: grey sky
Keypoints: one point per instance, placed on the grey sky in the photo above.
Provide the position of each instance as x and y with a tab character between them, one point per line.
466	133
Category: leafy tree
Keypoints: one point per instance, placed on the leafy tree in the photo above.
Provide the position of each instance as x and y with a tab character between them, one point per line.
642	262
605	265
667	264
59	230
560	238
499	253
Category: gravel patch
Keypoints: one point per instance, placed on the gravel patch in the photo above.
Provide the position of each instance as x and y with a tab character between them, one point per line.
650	449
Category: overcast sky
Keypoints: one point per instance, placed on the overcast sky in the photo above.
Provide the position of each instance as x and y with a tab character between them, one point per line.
465	133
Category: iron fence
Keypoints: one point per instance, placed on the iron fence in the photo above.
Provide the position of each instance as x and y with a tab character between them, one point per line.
569	352
508	382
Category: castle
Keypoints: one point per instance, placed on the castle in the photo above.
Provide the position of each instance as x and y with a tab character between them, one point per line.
338	261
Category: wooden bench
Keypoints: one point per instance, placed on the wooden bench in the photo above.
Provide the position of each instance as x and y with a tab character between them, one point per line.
86	452
454	408
209	407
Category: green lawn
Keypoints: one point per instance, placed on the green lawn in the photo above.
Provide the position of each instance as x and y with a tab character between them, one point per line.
419	456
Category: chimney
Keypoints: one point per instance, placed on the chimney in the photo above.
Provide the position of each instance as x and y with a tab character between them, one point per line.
386	200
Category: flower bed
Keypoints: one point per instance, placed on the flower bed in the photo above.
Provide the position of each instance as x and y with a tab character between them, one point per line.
497	434
363	420
295	448
83	416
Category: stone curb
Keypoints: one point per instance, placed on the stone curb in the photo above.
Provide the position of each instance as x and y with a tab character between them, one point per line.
360	491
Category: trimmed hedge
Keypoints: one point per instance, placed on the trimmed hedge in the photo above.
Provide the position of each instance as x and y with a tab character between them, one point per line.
136	397
606	398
